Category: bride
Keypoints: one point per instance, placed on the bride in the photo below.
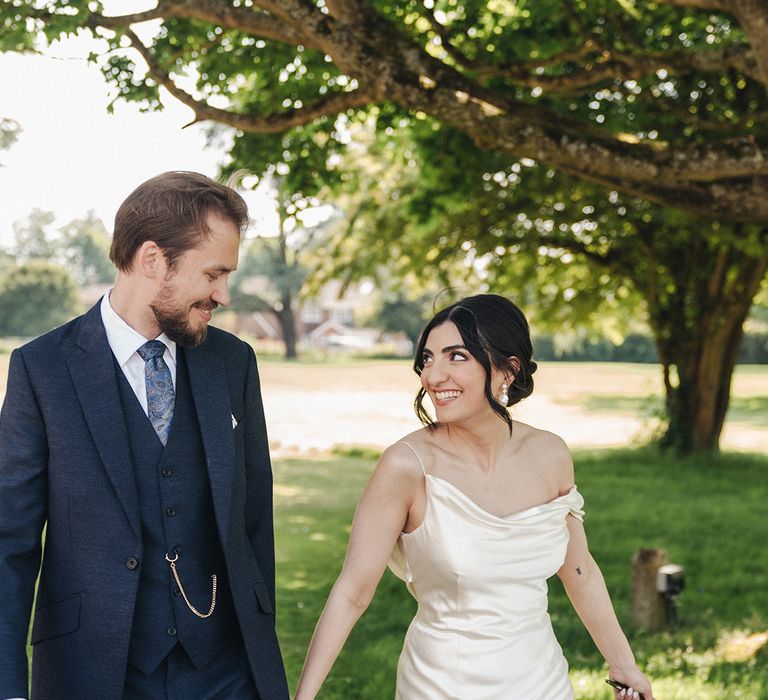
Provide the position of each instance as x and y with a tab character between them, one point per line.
475	512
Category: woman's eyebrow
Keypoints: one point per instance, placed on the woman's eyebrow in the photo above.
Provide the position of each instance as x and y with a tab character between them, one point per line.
451	348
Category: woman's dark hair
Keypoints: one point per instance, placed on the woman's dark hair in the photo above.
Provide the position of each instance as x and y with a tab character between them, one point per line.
494	331
171	210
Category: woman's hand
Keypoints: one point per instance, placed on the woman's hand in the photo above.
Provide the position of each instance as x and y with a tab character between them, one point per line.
637	682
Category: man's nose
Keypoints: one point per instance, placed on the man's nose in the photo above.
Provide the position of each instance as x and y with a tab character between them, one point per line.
221	294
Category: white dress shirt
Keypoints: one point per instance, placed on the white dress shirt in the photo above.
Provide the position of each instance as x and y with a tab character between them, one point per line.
125	341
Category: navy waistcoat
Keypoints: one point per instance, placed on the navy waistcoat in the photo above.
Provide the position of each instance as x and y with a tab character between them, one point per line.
176	518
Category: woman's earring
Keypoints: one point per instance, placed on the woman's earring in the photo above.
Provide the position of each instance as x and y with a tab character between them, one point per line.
504	398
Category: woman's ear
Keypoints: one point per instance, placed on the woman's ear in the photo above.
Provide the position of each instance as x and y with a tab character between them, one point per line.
515	362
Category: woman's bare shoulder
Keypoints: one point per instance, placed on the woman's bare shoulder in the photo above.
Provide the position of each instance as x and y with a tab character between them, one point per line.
548	452
404	458
413	452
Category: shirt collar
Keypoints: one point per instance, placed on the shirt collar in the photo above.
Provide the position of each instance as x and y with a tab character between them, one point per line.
123	339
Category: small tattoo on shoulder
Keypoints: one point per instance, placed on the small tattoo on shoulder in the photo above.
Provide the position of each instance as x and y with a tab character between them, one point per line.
578	570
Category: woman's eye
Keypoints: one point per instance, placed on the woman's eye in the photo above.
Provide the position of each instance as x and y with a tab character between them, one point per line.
458	356
426	359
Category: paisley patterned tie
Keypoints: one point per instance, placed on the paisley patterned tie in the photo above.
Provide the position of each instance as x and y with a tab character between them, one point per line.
160	394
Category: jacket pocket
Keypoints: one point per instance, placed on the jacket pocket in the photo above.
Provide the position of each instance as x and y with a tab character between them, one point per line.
57	619
262	595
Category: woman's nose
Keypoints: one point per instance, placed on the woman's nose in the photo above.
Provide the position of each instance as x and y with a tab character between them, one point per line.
437	373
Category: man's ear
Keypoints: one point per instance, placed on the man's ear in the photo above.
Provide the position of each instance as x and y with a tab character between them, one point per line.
150	261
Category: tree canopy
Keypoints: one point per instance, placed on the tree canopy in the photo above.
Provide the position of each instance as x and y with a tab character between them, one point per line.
84	245
33	239
9	133
659	99
36	297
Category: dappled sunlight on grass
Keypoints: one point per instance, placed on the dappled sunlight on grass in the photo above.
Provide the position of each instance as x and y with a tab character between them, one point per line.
301	520
298	581
591	685
741	646
283	491
691	670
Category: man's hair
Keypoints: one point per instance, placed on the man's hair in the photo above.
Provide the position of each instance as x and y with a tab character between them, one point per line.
171	210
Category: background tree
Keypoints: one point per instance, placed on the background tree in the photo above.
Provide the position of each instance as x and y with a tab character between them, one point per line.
36	297
9	133
272	260
398	313
276	260
85	248
7	263
34	238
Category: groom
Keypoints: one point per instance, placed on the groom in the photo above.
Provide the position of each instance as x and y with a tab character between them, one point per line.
135	434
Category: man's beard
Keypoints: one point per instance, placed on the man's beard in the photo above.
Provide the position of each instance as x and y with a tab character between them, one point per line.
174	319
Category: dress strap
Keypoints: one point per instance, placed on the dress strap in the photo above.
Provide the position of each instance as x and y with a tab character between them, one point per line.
423	470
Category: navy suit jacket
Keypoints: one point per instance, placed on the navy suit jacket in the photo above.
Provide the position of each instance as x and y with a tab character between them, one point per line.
65	464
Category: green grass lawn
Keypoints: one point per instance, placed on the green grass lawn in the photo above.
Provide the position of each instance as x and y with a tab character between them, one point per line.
708	513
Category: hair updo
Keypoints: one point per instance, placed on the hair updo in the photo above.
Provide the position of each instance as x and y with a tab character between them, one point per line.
494	331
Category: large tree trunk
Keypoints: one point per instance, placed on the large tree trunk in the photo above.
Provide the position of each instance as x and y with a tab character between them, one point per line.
288	326
698	334
697	397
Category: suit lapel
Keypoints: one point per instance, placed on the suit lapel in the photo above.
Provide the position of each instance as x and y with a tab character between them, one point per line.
92	369
211	398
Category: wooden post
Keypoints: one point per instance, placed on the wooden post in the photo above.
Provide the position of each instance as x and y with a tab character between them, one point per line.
647	604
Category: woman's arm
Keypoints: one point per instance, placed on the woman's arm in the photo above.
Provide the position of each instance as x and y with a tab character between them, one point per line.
585	586
380	517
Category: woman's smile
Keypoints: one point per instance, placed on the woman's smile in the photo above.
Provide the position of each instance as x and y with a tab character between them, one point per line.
444	397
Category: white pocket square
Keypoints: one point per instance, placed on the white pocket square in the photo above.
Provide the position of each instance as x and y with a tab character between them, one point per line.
234	422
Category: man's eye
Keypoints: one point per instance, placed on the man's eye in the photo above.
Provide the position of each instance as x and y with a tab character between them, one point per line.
426	359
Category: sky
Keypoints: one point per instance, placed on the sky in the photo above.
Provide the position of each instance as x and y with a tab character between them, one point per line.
72	155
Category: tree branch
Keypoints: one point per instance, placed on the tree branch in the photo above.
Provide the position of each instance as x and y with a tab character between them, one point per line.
753	18
216	12
573	245
487	70
265	124
713	5
608	65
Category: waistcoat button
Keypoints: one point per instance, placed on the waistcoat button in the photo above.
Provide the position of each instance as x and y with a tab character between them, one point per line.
131	563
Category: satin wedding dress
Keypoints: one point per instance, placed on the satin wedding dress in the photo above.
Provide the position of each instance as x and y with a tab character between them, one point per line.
482	631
